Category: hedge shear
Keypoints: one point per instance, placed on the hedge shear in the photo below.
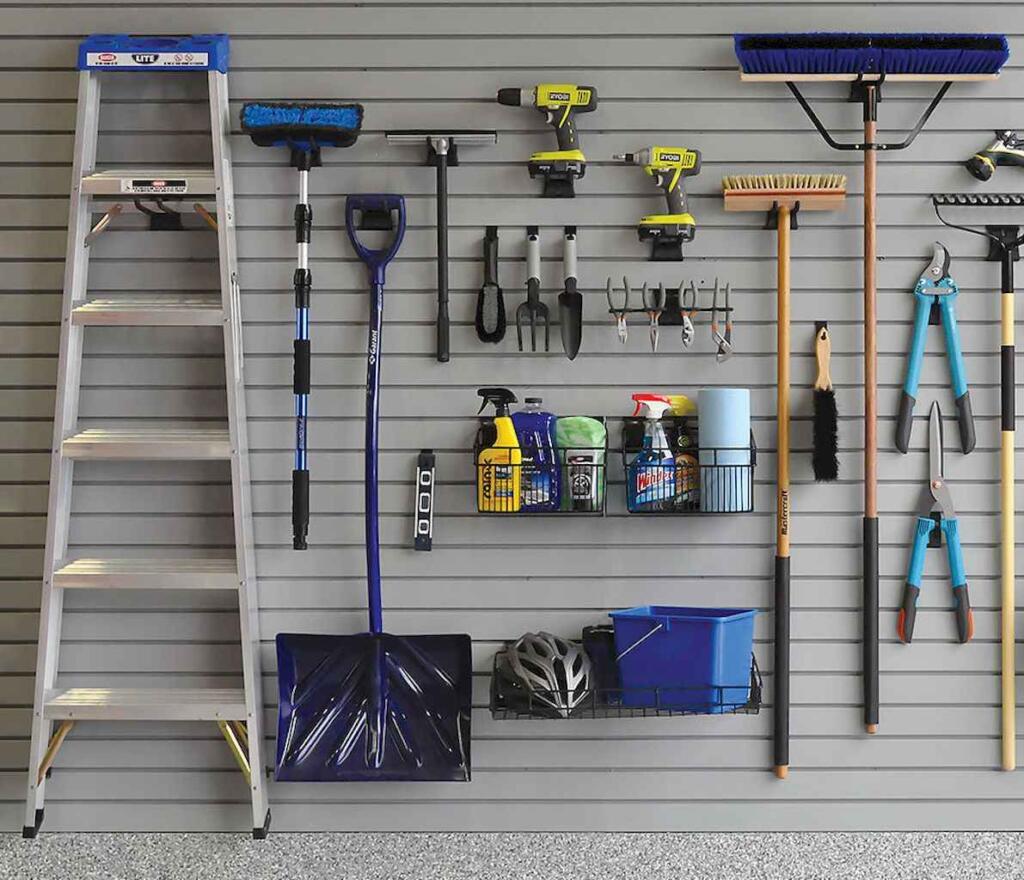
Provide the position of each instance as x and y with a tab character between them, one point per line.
936	293
936	517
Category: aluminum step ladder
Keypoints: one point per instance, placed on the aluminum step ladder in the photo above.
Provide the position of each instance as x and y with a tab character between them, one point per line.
237	712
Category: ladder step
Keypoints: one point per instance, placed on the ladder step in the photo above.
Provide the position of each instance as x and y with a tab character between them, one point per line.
195	310
147	574
150	181
146	704
176	444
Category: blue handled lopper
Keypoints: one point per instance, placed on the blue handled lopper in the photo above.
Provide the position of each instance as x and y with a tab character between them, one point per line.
935	294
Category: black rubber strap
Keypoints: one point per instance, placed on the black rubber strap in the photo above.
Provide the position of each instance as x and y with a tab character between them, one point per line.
904	422
966	418
300	384
1007	356
303	223
870	612
300	509
781	702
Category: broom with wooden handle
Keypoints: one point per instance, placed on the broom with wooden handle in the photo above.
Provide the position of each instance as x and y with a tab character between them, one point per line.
783	196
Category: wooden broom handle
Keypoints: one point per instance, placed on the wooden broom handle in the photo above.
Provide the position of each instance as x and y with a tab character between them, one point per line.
782	407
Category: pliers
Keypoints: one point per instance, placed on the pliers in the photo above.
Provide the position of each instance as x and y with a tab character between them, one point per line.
687	310
936	292
724	342
936	517
654	305
620	315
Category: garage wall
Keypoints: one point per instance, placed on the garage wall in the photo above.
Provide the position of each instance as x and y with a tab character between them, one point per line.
665	74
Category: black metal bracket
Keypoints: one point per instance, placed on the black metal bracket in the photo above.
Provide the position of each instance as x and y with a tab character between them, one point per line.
771	220
452	154
935	538
162	220
671	315
1003	241
868	94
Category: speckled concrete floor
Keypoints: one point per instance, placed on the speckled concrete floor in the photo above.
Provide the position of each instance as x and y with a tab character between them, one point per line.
514	856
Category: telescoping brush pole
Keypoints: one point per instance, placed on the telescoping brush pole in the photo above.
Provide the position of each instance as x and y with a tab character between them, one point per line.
442	152
1004	243
866	61
783	197
303	128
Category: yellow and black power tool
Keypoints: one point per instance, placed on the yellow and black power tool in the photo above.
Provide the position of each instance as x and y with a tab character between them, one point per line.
559	102
669	166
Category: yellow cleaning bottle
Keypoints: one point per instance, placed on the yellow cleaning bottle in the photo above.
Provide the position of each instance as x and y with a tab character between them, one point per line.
499	462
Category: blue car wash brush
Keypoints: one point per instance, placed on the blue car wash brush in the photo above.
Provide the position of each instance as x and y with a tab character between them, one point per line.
303	128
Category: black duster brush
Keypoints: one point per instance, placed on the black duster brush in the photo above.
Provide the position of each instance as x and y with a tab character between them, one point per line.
826	417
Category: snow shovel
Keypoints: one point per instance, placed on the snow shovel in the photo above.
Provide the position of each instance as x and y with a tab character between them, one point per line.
374	706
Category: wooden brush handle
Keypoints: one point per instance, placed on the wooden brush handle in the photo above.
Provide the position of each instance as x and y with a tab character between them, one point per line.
823	352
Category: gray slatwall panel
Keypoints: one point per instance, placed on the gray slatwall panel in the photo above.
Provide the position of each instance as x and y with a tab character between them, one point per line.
930	766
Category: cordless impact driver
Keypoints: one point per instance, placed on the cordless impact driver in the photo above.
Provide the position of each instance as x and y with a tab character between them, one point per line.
559	102
669	166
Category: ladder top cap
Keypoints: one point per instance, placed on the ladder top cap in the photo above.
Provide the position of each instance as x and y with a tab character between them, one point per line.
127	52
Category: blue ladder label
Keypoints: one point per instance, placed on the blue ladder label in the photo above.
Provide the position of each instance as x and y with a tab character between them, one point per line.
129	53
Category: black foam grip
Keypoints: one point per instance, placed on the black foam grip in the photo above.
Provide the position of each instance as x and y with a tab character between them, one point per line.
300	509
964	615
300	382
966	419
908	614
443	334
782	603
1007	356
904	421
870	612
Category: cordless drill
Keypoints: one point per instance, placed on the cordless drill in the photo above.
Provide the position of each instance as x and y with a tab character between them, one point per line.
669	166
559	102
1006	149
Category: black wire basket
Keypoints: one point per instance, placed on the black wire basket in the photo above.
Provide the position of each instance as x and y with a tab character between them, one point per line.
698	479
574	482
601	702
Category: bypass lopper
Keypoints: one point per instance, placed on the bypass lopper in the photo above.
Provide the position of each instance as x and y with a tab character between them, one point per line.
936	517
936	294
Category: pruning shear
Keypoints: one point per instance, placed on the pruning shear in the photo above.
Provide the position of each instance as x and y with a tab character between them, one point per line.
687	309
936	293
936	517
654	305
621	322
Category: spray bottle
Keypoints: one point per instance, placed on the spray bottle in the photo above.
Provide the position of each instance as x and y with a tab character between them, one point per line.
499	461
651	480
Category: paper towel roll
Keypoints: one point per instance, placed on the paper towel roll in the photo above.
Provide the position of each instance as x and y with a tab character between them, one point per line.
724	427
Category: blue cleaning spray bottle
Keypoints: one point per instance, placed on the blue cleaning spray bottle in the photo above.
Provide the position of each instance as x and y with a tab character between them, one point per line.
541	473
651	484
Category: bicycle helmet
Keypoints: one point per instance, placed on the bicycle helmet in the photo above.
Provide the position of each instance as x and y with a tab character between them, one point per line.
543	674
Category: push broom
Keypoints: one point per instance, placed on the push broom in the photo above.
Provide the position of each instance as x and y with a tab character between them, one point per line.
866	61
303	128
783	197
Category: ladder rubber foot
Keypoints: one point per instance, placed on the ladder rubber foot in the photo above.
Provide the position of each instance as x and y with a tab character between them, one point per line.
261	833
30	831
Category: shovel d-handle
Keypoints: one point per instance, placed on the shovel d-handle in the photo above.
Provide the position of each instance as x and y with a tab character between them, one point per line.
376	261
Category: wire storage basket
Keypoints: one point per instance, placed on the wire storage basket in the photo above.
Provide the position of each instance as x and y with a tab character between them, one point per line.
690	478
513	481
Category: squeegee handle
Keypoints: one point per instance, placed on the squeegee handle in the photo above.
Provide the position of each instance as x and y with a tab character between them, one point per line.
443	328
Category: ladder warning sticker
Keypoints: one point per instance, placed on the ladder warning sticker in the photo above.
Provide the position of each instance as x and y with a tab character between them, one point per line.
162	186
140	60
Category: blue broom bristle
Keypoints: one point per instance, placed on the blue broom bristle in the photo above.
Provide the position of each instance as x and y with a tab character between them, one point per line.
302	126
871	53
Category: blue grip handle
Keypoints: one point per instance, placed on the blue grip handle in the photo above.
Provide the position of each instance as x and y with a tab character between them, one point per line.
957	372
957	573
375	259
917	342
922	531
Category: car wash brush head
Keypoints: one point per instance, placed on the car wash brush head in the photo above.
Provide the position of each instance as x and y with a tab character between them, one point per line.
762	192
301	125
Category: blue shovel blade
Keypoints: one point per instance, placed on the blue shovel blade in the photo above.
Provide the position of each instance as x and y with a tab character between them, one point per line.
365	708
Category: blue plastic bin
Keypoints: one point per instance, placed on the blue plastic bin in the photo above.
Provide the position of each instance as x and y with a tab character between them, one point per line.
691	659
